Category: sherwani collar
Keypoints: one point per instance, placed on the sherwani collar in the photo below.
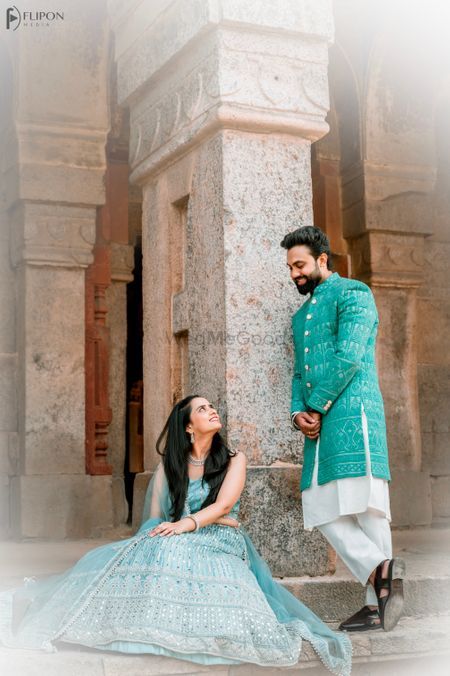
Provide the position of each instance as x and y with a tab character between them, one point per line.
329	282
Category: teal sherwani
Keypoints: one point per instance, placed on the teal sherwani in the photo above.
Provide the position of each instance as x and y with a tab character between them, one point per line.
335	372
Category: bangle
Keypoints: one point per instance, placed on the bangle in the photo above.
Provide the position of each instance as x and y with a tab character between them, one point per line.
293	423
195	520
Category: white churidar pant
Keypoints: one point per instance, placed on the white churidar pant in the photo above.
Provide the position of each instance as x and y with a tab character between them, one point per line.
353	514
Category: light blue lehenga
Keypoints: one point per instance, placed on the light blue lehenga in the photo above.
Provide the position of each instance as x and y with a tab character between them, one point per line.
204	596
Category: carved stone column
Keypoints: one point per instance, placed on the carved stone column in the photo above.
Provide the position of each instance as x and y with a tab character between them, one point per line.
225	100
434	328
98	411
55	184
385	222
105	312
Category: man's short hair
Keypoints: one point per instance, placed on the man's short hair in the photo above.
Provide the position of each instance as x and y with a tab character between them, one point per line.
314	238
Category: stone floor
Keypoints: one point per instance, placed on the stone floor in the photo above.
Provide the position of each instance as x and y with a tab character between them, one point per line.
419	644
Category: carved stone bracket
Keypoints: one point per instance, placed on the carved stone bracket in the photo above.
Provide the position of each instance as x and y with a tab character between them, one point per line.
388	259
374	195
224	74
52	235
122	262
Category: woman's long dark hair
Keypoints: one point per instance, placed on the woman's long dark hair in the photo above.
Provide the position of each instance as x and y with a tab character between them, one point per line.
174	445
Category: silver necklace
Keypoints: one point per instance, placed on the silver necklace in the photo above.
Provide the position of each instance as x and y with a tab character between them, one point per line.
195	462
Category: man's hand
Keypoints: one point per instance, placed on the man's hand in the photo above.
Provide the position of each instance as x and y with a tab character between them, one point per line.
309	423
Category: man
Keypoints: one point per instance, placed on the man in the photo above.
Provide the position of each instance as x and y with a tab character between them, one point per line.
337	404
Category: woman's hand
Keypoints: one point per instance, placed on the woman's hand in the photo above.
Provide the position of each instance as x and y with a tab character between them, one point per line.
169	528
228	521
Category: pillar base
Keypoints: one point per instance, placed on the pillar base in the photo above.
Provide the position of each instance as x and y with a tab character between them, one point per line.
271	511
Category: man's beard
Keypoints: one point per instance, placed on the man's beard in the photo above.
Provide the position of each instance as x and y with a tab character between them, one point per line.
312	281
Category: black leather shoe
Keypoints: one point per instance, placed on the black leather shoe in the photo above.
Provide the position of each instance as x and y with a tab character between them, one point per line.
365	619
390	606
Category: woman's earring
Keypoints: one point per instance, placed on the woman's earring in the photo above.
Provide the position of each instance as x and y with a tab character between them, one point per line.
192	437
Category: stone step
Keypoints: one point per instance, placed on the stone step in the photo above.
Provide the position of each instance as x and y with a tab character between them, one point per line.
335	599
416	646
427	585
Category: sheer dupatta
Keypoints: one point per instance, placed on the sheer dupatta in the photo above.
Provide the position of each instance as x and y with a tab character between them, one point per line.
157	502
333	648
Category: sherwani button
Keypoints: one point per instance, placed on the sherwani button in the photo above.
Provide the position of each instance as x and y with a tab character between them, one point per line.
314	301
307	367
306	333
308	384
306	349
308	316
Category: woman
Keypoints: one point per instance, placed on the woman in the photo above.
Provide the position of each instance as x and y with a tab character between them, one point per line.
189	584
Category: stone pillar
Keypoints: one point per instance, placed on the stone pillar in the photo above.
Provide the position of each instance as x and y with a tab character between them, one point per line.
434	329
385	223
225	100
55	183
121	267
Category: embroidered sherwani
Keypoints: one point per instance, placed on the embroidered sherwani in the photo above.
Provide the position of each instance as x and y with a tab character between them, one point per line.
335	372
346	469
